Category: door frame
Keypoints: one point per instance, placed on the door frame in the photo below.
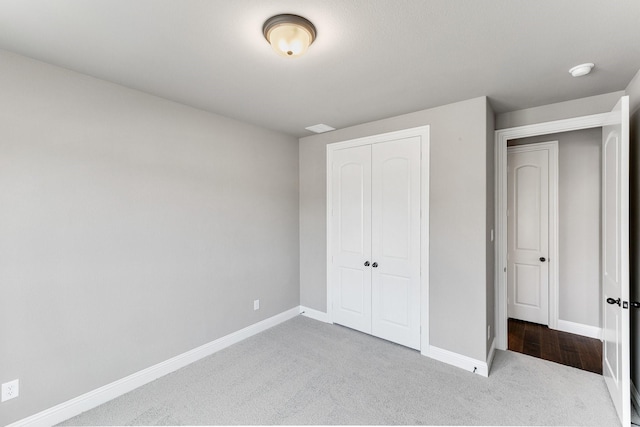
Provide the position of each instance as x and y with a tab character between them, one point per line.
423	133
501	138
554	252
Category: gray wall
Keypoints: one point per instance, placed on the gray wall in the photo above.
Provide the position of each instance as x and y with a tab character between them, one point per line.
313	225
458	209
578	223
561	110
633	90
132	229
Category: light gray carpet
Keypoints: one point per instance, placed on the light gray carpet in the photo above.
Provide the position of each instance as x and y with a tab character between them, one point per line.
307	372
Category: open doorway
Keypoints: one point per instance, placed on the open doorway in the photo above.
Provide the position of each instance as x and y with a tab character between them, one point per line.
553	247
614	235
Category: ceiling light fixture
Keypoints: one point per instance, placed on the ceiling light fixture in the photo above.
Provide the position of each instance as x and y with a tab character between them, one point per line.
581	70
289	35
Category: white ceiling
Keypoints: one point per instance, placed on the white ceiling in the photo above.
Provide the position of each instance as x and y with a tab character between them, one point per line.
372	58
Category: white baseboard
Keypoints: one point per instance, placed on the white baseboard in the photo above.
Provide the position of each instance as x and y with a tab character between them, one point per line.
455	359
492	353
314	314
580	329
90	400
460	361
635	396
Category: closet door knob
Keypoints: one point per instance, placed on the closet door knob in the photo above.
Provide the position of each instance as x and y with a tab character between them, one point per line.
374	265
366	264
542	259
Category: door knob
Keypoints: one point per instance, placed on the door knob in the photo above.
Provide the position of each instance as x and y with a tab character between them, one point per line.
366	264
542	259
374	265
613	301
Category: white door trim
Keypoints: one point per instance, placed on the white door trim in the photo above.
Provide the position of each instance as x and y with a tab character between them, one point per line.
423	133
501	138
554	252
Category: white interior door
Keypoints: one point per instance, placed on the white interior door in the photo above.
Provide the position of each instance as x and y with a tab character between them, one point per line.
351	237
528	183
615	259
396	241
376	238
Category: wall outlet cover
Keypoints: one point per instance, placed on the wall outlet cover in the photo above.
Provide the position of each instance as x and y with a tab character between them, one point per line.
256	304
10	390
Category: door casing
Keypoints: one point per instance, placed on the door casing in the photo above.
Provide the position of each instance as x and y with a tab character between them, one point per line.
423	133
502	136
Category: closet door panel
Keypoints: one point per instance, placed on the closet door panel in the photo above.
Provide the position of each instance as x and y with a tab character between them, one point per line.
395	240
351	237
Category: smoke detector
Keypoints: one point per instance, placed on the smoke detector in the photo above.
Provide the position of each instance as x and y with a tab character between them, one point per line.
581	70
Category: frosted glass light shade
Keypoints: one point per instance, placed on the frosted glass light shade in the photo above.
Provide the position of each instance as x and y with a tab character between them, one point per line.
289	35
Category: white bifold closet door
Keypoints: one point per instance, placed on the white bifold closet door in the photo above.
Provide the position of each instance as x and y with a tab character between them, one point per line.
351	240
376	239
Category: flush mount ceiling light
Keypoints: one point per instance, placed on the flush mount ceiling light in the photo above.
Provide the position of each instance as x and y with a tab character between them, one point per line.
289	35
581	70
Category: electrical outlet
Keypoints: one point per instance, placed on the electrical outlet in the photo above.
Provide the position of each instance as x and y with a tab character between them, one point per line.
256	304
10	390
488	331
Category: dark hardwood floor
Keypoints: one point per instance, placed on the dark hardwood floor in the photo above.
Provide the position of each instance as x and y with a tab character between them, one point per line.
556	346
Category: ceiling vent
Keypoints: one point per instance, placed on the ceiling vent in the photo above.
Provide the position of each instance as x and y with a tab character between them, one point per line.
321	128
